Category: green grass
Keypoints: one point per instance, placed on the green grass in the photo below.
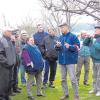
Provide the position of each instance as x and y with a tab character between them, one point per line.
55	94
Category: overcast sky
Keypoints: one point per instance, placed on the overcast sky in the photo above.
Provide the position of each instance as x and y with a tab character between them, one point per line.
15	11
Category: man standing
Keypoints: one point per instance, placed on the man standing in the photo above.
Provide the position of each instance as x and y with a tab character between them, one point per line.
19	46
95	54
38	38
7	61
83	59
50	53
68	54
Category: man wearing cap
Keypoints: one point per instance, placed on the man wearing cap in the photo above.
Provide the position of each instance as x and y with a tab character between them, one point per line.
94	44
68	54
7	61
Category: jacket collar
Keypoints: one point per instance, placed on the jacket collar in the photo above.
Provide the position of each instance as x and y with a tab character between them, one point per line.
66	34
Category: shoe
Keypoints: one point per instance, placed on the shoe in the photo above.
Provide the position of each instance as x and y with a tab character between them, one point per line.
64	97
17	91
44	85
76	98
41	95
33	84
19	88
51	84
12	94
98	93
7	98
85	83
92	92
30	97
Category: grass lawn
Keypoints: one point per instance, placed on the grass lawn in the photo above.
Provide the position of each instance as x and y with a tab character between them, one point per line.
56	93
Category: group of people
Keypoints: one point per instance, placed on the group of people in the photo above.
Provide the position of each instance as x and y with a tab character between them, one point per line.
37	55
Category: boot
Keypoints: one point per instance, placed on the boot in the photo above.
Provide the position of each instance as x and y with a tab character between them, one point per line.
51	84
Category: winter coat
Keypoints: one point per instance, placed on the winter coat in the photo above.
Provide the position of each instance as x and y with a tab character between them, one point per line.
94	45
48	48
84	50
7	60
70	55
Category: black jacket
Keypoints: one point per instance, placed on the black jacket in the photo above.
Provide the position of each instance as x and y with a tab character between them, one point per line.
48	48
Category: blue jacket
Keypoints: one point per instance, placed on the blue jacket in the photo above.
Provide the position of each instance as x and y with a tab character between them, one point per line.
38	38
36	58
68	56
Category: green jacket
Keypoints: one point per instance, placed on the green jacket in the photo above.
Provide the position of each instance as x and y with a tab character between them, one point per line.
95	51
84	50
94	45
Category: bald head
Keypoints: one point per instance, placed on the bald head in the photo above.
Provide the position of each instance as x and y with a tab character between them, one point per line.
83	34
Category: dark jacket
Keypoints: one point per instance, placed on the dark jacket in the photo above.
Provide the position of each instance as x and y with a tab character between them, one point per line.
7	52
48	48
38	38
32	54
68	56
7	59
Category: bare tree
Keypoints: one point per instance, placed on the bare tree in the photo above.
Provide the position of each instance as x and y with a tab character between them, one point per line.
5	21
55	16
51	18
73	7
28	25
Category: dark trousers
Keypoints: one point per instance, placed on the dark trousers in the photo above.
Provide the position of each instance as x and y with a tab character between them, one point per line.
13	79
4	83
53	67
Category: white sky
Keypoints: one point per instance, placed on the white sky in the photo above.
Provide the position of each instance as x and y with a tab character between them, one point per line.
17	10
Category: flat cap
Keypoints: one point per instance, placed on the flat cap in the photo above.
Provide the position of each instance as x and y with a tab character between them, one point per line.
7	28
62	24
97	25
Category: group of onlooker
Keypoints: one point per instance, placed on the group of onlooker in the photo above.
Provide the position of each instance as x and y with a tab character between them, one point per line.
37	55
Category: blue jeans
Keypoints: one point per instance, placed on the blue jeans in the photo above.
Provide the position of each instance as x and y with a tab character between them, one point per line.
22	71
22	74
46	71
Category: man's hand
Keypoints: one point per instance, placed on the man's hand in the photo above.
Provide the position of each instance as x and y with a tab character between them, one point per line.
67	45
30	64
58	44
